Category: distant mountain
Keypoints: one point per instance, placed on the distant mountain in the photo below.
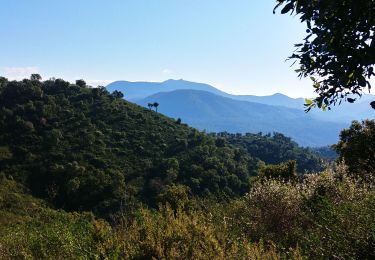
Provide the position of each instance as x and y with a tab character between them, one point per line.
138	90
216	113
221	111
277	99
344	113
347	112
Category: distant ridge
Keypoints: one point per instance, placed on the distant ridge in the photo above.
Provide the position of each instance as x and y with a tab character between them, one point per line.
138	90
344	113
214	113
242	113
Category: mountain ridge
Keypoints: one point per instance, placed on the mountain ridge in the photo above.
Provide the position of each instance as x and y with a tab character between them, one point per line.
215	113
206	115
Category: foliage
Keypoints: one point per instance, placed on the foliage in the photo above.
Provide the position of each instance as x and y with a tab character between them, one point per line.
170	191
327	152
357	147
286	171
37	232
31	230
327	216
275	149
179	235
338	49
83	148
330	215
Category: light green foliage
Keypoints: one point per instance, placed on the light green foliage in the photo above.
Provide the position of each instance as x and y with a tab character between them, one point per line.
31	230
171	234
327	215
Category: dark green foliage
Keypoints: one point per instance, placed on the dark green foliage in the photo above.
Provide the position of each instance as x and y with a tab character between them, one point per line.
338	49
357	147
275	149
327	152
81	83
86	149
286	171
177	196
36	77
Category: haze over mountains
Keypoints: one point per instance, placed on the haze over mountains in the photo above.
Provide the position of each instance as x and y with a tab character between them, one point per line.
207	108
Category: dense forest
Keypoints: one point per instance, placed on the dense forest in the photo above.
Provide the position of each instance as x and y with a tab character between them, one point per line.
276	148
86	149
86	174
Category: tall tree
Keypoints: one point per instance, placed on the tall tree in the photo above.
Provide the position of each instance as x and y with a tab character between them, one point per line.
81	83
338	52
156	104
357	147
36	77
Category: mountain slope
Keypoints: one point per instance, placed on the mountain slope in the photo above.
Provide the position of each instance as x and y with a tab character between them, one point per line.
211	112
85	149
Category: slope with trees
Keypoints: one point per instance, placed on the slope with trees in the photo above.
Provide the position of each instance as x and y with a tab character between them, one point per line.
276	148
86	149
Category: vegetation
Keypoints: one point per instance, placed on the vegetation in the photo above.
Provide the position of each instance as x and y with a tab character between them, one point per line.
85	174
86	149
338	51
275	149
326	216
357	147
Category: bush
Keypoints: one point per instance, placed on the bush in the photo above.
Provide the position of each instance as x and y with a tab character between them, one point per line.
330	215
170	234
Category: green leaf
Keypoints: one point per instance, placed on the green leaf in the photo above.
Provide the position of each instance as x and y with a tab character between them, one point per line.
308	102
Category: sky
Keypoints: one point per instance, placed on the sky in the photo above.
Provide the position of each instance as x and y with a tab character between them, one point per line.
238	46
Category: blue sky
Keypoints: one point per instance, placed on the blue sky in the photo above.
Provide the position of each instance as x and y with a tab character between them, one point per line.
238	46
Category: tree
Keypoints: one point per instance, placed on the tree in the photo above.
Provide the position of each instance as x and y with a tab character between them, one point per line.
150	105
36	77
81	83
338	53
117	94
156	104
357	147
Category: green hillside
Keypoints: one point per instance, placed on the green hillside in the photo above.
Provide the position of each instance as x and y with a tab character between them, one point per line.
276	148
85	174
86	149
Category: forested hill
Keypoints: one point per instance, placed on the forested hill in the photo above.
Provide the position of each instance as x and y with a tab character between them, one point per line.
276	148
84	148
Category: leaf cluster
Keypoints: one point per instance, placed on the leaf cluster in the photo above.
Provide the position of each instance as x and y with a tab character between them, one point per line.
338	52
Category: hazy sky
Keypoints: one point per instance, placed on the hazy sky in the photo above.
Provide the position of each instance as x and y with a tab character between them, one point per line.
238	46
